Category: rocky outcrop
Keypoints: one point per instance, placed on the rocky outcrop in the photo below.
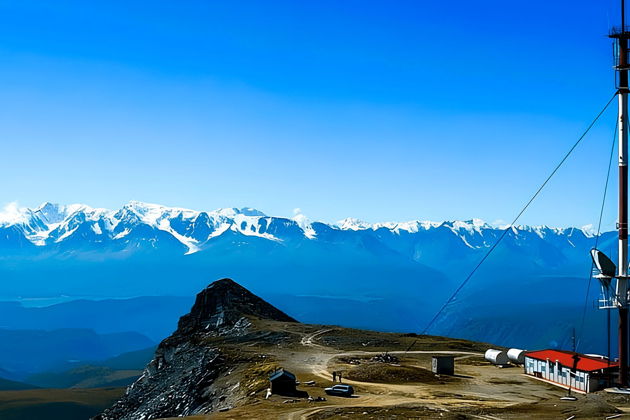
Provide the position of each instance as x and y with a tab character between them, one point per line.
190	373
222	304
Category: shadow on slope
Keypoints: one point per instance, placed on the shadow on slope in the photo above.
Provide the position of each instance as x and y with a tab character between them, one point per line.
67	404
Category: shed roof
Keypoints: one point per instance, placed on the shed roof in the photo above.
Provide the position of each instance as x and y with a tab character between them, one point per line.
279	373
566	358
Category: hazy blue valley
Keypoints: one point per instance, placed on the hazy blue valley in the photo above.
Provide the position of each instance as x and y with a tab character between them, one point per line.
124	277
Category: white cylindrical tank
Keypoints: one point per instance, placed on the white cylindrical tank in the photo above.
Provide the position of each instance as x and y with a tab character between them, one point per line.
497	357
516	356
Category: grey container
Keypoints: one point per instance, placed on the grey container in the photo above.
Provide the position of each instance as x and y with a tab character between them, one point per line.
497	357
516	356
443	365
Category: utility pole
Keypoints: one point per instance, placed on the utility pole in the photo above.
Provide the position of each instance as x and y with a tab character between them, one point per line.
621	36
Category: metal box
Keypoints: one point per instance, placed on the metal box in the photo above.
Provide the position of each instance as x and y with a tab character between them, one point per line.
443	365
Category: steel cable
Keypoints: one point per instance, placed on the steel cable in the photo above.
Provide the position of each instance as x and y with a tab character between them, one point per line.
511	225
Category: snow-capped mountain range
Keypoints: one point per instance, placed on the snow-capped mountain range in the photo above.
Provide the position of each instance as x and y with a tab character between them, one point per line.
388	276
51	224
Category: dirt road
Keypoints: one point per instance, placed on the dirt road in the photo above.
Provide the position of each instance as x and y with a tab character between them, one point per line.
478	391
386	394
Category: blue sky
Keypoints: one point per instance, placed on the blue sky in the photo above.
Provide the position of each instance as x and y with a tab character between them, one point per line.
378	110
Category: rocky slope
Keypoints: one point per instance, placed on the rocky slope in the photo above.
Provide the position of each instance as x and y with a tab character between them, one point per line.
190	373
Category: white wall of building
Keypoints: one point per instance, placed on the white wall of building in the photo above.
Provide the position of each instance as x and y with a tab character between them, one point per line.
553	372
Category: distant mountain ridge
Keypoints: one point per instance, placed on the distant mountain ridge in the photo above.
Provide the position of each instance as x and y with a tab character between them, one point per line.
51	225
390	276
23	352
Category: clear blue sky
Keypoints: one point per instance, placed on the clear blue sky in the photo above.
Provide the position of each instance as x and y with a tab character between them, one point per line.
388	110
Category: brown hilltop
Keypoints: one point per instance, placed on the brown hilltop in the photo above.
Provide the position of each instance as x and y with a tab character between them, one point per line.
217	363
189	372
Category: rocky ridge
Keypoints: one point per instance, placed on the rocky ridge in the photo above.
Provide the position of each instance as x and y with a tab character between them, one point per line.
190	373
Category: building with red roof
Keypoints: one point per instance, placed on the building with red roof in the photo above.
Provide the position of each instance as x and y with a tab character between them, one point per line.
582	373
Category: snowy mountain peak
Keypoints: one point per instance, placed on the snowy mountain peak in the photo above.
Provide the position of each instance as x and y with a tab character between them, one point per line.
11	214
350	223
154	214
233	212
305	224
137	225
471	226
413	226
55	213
248	211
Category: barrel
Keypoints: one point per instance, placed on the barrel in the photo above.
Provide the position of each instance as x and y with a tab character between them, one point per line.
516	356
497	357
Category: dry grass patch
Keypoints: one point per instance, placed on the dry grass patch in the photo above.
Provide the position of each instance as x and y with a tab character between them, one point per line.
391	374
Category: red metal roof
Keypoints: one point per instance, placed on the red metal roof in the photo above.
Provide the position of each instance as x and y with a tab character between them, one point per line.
585	363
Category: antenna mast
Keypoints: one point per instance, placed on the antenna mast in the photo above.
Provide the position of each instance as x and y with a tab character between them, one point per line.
621	36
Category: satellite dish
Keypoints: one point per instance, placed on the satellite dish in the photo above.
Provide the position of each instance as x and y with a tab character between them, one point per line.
604	265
